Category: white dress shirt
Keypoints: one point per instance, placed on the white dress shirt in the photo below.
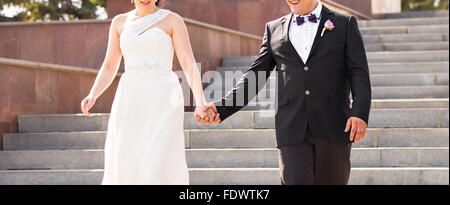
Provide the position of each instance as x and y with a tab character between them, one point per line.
302	37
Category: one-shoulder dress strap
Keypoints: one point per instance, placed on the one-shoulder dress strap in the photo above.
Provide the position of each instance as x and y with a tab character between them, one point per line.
144	23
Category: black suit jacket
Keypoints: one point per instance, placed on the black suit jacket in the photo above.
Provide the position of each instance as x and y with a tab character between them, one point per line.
337	64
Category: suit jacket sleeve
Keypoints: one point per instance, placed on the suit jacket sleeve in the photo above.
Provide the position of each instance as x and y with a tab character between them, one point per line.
358	71
263	65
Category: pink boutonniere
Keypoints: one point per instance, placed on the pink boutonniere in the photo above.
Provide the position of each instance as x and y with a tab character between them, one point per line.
328	26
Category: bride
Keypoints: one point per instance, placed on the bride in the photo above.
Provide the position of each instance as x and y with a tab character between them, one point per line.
145	137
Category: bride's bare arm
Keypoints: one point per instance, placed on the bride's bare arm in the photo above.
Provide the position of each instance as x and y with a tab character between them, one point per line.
186	58
111	64
185	55
109	68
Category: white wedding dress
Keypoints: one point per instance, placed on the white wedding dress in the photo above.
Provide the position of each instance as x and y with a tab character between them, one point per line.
145	138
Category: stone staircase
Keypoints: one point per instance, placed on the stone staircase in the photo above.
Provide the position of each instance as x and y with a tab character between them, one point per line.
407	142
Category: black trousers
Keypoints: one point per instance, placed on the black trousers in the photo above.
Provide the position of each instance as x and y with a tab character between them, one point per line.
315	161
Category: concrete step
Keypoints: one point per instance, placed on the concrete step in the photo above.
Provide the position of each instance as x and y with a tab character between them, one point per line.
235	176
51	159
224	158
54	140
407	56
373	57
60	140
414	79
51	177
376	104
417	14
409	118
375	68
232	138
392	79
382	118
62	123
410	103
358	176
388	92
256	105
265	138
403	38
409	46
377	80
410	92
404	22
360	157
379	118
404	29
415	67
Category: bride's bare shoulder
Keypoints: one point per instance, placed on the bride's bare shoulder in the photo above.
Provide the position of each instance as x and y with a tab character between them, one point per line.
175	21
174	17
119	20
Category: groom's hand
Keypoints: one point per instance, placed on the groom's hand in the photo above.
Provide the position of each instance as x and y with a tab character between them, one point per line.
358	129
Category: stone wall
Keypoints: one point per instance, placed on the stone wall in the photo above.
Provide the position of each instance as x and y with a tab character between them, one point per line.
248	16
386	6
35	88
244	15
363	6
83	43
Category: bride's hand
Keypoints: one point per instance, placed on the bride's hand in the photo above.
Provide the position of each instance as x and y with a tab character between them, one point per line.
200	113
87	104
207	114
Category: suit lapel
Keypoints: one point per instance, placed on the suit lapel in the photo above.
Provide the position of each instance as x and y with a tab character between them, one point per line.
286	22
324	16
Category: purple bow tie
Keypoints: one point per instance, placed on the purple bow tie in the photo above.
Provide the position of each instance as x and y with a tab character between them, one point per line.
311	18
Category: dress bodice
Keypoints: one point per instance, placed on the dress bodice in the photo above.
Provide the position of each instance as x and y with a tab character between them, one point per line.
145	47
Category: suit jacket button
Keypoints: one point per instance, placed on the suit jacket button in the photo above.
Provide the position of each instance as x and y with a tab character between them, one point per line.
307	92
306	68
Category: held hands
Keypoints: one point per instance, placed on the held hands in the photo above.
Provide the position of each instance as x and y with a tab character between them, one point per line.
207	114
87	104
359	128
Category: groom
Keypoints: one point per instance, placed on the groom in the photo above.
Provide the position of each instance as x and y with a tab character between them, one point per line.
319	57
